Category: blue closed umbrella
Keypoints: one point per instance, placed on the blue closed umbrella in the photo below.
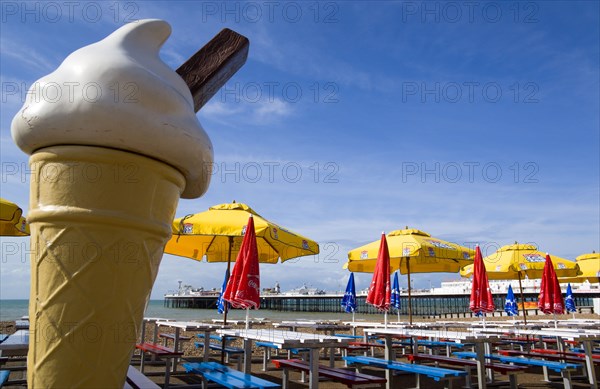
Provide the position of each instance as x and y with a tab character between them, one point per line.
349	300
569	301
220	302
395	296
510	305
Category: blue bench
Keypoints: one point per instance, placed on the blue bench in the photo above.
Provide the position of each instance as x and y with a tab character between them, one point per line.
3	377
429	343
3	337
268	346
348	336
228	350
552	365
435	373
349	378
217	337
468	364
218	347
563	368
581	350
227	377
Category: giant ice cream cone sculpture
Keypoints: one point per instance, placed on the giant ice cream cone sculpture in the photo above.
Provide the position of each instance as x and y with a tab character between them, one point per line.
110	158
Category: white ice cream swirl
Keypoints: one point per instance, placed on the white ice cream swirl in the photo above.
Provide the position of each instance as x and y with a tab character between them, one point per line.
118	93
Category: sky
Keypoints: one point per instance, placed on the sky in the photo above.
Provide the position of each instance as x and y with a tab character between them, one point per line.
477	122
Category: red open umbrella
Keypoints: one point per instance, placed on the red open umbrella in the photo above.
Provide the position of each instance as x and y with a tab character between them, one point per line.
481	296
243	287
379	290
550	299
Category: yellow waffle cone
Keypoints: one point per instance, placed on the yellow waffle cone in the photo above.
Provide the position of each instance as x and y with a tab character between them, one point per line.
100	219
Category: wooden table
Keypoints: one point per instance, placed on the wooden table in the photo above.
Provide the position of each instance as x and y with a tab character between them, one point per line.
479	340
152	320
193	326
325	327
287	340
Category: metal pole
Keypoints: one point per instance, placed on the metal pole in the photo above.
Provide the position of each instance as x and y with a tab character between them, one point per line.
409	295
522	298
225	308
226	304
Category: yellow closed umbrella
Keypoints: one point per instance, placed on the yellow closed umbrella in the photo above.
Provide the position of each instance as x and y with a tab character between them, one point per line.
412	251
517	261
589	265
12	223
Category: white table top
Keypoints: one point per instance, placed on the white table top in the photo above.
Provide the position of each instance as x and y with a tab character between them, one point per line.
561	332
17	341
456	336
372	324
317	326
190	325
238	321
286	339
307	322
155	319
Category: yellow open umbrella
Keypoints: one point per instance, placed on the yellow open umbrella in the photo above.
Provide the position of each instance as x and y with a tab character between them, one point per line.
515	261
12	223
217	235
412	251
589	264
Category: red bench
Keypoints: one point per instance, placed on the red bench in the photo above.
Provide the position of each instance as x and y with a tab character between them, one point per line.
565	353
347	377
548	354
161	352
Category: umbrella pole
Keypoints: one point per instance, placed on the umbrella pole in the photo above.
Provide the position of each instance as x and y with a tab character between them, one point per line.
522	298
352	316
385	319
409	295
248	318
226	305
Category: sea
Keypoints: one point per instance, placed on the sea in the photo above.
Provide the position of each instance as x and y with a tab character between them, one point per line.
11	310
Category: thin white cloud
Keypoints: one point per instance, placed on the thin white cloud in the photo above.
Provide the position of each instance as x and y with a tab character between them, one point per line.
269	110
255	113
25	55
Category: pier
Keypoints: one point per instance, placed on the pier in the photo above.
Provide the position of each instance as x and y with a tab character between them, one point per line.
423	304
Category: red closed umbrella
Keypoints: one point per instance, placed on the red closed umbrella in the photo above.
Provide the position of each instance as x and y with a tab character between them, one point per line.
481	295
243	287
550	299
379	290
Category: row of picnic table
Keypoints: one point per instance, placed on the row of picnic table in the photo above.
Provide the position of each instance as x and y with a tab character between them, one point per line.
452	335
478	335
